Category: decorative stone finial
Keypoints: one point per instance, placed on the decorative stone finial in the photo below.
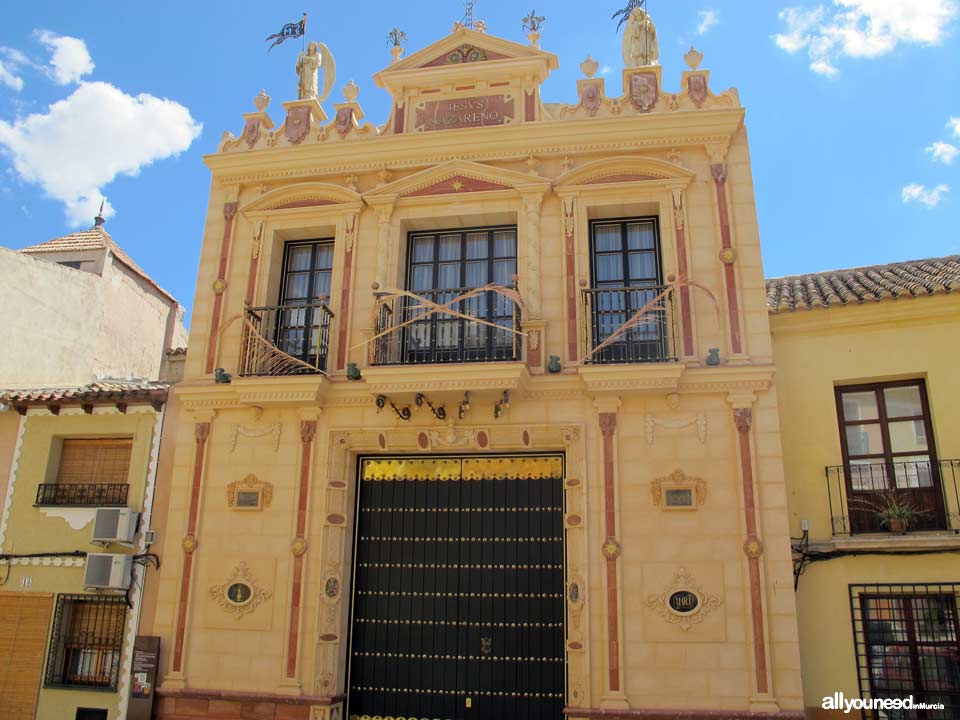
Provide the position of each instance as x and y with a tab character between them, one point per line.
261	101
589	67
350	91
396	38
693	58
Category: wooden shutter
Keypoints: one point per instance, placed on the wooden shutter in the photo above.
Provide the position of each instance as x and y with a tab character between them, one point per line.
23	637
95	461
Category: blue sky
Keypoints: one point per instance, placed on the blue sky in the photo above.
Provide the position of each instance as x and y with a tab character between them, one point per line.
849	107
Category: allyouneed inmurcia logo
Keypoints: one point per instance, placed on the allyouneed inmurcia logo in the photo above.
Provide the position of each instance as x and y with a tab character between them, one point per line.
838	702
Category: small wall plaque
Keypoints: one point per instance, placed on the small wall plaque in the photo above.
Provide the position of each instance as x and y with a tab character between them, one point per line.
251	493
678	491
683	602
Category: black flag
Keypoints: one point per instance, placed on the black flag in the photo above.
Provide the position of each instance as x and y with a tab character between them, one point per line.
290	30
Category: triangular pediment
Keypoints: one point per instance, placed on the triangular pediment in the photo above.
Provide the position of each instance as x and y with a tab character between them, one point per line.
459	177
486	48
466	54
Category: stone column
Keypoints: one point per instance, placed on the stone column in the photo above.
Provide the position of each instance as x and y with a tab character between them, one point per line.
614	695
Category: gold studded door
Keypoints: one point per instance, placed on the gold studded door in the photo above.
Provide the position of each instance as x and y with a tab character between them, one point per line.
458	589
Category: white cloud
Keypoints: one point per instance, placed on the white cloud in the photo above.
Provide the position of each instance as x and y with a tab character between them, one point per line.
606	70
708	18
930	197
954	125
11	60
943	152
83	142
69	60
862	28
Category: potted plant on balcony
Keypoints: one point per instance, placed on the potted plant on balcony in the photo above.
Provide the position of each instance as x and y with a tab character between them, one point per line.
894	510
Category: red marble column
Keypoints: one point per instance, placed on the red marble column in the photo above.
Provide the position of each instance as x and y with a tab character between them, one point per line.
720	180
611	548
189	544
308	430
229	213
752	547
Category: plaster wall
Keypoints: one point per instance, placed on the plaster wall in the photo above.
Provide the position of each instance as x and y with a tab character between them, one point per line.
74	326
140	326
56	314
815	351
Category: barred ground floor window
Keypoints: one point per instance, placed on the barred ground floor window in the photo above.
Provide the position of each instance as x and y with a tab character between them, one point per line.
87	641
907	641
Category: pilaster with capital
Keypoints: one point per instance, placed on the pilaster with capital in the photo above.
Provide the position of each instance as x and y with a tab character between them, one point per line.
532	276
384	232
614	695
742	406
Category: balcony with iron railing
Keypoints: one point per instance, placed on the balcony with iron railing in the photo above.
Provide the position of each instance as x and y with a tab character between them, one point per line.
629	325
857	492
286	340
482	327
82	494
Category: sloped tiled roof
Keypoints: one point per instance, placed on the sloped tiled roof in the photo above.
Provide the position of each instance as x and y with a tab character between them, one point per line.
859	285
107	391
96	238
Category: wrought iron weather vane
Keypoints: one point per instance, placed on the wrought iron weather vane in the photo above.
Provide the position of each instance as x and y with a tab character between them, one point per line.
468	19
533	22
624	13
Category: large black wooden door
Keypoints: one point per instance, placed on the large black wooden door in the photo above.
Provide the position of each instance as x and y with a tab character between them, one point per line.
458	590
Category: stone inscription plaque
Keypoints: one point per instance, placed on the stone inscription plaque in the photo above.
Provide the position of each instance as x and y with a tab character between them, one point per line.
683	602
483	111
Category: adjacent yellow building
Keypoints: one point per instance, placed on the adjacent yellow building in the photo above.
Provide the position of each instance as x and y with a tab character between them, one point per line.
479	418
868	387
79	462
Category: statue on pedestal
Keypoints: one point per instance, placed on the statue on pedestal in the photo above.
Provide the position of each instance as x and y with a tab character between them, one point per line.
640	45
316	57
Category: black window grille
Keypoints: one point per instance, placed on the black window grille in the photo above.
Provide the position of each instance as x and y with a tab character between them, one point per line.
87	641
907	642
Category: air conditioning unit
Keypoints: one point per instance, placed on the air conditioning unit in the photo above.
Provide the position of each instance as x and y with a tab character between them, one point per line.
115	525
107	571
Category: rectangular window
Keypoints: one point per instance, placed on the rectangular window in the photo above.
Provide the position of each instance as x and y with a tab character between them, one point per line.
908	643
303	320
95	460
441	266
887	442
87	641
627	277
92	471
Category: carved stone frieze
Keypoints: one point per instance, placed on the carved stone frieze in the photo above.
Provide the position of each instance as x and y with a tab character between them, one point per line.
255	432
650	423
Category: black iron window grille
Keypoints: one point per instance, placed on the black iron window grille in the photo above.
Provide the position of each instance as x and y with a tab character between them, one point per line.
93	494
626	277
299	325
907	642
86	644
441	267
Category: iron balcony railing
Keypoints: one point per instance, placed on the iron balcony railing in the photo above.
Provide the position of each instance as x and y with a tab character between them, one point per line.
416	336
273	335
856	491
649	339
96	494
